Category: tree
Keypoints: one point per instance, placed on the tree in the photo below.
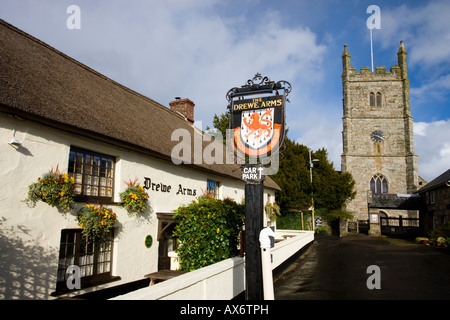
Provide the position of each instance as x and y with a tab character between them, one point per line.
330	188
221	124
293	178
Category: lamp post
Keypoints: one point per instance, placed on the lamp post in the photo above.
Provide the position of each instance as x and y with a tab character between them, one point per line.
312	191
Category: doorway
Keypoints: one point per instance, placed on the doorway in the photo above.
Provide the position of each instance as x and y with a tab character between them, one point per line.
167	243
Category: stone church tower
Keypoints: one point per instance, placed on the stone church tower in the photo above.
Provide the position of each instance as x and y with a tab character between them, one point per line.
378	145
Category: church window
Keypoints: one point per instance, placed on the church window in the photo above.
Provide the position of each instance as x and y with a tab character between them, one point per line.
375	99
378	99
378	184
372	99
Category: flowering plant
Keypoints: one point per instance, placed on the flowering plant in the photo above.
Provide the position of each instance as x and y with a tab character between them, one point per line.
134	198
96	221
272	210
54	188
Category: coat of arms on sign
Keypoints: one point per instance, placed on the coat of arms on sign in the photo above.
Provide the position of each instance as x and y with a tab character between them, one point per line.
257	124
257	127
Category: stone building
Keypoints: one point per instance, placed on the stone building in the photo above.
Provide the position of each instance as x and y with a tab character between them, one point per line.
437	199
378	145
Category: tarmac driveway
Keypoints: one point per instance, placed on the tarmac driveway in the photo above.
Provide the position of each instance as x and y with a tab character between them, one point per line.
336	268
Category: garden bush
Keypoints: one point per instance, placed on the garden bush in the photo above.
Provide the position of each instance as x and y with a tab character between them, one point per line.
208	231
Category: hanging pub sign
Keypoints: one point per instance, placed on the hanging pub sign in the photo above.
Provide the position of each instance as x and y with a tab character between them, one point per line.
258	124
258	121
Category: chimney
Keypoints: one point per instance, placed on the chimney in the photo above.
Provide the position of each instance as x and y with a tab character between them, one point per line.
185	107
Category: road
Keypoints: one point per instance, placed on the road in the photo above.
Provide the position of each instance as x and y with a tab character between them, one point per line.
336	268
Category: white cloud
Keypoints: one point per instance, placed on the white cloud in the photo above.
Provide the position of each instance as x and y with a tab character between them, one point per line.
424	28
432	145
432	90
167	49
318	128
188	48
174	48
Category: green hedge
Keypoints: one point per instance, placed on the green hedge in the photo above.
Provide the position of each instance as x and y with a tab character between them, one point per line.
208	231
293	221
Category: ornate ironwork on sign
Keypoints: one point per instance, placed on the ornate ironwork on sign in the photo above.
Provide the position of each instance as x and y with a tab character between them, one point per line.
258	123
260	84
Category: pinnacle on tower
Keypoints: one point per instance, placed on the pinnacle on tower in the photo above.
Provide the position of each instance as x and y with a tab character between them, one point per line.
401	54
346	58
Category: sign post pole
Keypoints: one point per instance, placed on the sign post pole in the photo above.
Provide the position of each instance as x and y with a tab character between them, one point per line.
253	224
258	133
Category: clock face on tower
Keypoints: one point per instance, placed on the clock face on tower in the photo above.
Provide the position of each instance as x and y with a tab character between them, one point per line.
377	136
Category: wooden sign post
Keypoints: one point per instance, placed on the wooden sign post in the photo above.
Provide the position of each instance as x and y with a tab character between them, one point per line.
254	194
258	133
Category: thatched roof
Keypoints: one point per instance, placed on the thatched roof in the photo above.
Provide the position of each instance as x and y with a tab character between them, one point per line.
40	83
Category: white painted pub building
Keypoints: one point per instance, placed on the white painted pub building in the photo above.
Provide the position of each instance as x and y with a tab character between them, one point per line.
57	112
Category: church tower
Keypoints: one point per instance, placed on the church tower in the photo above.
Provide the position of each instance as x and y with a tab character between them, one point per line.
378	145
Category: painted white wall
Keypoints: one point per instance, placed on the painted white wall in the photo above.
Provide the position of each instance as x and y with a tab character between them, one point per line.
220	281
30	237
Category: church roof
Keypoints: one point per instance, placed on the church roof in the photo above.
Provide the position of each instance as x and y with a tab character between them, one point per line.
40	83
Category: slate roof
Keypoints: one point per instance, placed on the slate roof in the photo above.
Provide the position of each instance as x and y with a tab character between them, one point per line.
443	179
40	83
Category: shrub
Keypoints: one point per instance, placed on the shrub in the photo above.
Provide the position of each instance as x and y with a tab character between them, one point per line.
293	221
442	231
208	231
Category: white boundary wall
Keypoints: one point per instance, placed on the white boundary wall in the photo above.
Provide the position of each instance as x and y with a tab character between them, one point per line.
223	280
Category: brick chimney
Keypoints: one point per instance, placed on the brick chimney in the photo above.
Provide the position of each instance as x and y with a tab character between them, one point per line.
185	107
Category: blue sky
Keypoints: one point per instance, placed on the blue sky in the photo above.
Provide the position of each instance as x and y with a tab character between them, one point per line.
199	49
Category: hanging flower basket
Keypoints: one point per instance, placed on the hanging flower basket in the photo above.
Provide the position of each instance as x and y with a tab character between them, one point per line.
272	210
54	188
134	198
96	221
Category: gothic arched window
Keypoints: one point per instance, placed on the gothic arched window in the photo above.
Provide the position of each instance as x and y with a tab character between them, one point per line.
378	184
